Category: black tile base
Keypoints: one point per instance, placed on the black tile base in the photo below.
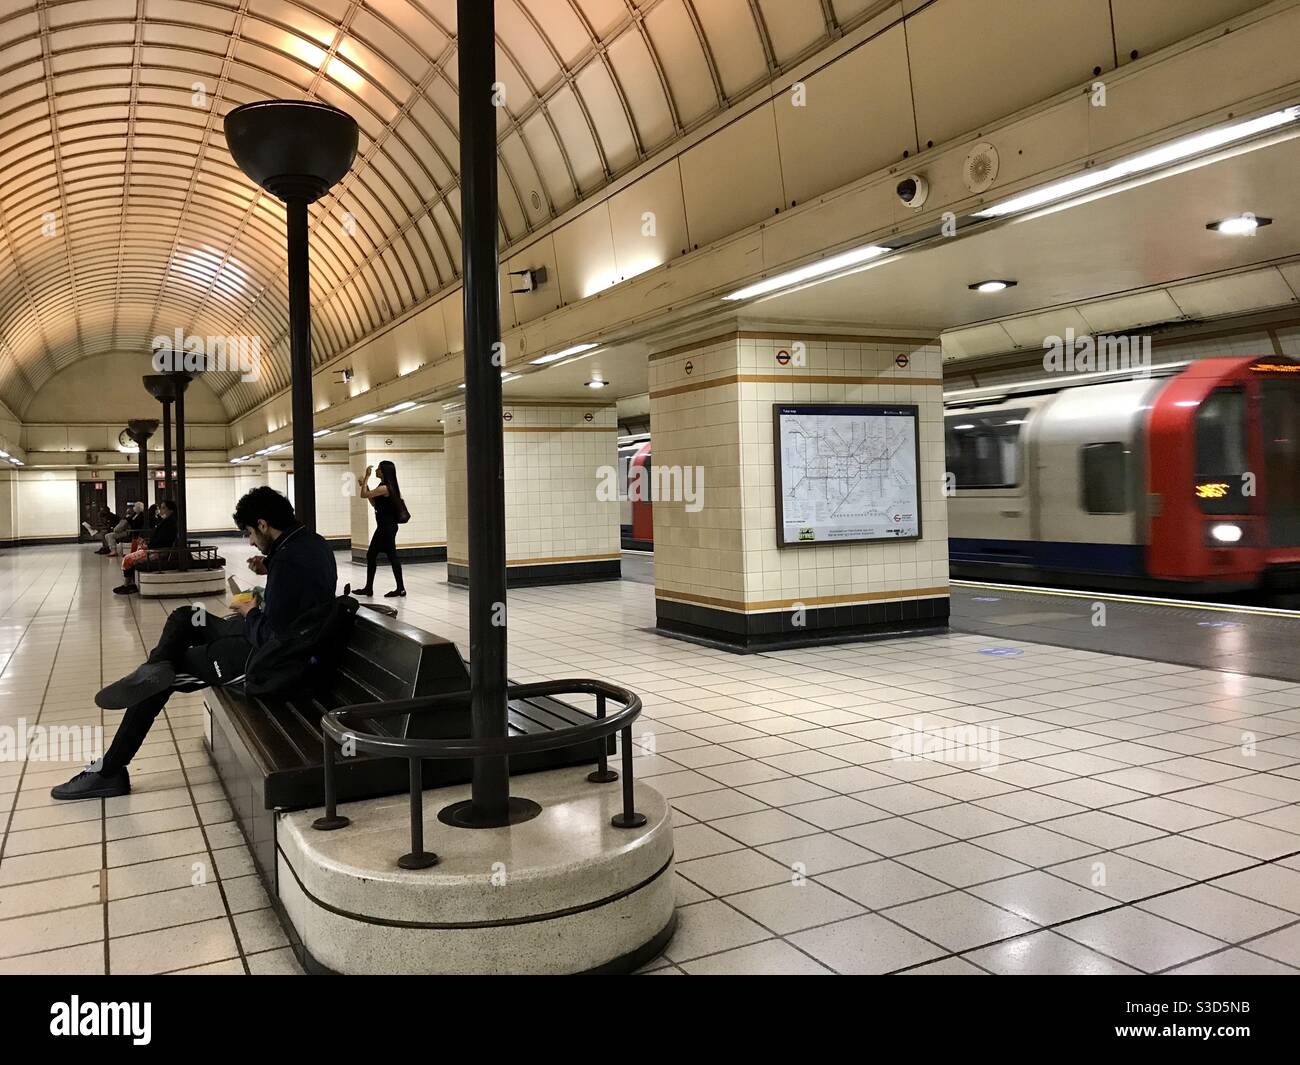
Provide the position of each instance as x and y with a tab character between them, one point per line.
609	569
775	630
404	554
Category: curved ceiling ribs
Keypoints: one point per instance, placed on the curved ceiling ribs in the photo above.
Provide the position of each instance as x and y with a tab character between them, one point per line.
110	124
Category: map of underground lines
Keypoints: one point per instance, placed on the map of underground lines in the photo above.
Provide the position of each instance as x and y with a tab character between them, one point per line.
847	473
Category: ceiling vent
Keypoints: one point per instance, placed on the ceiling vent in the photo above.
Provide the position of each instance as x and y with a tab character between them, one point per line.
981	167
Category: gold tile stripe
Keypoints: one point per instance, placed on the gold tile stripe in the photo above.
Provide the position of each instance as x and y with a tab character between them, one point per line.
788	604
809	379
545	561
576	403
560	428
399	451
792	334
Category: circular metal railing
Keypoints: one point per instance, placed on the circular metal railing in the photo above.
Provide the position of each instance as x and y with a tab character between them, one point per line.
346	727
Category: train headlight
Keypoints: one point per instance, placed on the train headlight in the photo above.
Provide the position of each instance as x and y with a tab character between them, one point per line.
1226	533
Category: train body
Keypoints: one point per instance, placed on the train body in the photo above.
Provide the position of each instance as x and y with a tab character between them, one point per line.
1188	480
1184	479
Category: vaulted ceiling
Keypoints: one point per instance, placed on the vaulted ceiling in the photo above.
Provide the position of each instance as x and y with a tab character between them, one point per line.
123	217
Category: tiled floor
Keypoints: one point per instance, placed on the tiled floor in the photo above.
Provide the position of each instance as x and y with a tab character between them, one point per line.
1111	814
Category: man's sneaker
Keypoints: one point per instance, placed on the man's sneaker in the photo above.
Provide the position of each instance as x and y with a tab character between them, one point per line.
90	784
125	589
150	678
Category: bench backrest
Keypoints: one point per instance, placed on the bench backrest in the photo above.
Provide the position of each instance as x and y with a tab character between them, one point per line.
386	659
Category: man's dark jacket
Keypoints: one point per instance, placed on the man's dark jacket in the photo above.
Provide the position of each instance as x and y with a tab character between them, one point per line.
164	534
300	574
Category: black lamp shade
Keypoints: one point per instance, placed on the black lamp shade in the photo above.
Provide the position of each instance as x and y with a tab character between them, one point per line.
295	149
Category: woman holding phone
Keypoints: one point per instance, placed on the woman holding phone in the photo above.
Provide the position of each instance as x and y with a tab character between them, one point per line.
390	511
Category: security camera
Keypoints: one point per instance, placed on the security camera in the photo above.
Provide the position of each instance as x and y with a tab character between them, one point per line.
913	190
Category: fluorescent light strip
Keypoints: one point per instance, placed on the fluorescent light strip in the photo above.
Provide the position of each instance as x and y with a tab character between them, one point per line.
1174	152
406	404
806	273
363	418
555	356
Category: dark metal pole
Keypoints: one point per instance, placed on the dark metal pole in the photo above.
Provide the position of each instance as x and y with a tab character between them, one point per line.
167	448
142	439
182	533
484	449
304	469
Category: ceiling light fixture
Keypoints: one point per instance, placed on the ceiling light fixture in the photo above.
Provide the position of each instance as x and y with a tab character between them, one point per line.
597	382
555	356
991	285
406	404
1173	152
843	261
322	432
1242	225
361	419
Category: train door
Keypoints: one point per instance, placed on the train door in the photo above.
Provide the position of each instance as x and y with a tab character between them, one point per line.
93	500
990	517
1089	471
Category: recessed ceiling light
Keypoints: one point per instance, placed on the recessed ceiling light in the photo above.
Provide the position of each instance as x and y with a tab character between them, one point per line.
554	356
1242	225
406	404
991	285
597	382
322	432
363	418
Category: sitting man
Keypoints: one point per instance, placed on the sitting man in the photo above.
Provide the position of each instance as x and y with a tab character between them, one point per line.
162	537
119	529
300	574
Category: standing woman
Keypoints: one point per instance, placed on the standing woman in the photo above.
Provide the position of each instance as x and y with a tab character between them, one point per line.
386	498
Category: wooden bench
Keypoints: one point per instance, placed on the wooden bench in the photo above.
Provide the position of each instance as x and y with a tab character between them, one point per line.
268	749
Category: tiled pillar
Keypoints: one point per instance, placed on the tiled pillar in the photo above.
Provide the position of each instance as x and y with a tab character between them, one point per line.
559	529
720	575
418	457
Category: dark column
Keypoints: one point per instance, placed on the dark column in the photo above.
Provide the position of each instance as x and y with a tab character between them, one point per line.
168	488
485	473
141	429
182	530
304	466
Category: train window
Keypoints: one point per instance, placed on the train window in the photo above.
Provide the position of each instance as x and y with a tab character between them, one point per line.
1105	478
983	450
1221	456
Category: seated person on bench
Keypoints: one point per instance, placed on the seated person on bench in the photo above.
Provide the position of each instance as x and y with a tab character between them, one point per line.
118	530
300	574
163	537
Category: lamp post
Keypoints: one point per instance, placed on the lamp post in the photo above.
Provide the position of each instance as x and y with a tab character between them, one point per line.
297	150
491	804
170	388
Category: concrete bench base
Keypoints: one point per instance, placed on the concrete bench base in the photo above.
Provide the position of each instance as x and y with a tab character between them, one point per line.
166	584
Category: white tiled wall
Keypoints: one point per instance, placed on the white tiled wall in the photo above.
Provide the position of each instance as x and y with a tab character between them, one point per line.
419	458
554	455
46	503
719	416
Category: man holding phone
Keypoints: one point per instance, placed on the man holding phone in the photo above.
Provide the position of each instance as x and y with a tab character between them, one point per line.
300	571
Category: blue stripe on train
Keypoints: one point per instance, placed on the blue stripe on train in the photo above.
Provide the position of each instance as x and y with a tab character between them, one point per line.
1050	554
